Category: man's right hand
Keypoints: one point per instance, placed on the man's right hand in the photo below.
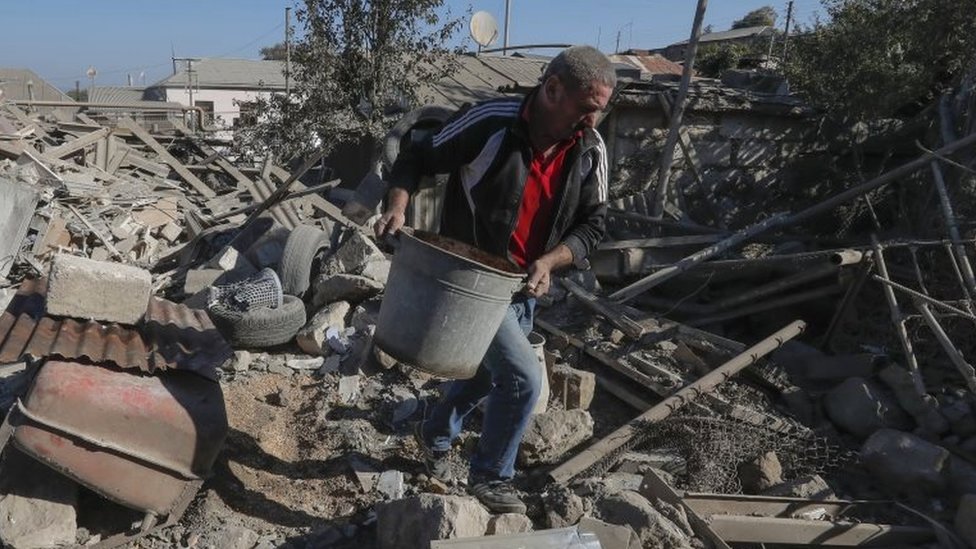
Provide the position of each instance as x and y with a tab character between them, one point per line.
390	222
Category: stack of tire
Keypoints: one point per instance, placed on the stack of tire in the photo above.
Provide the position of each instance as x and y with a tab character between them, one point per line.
269	326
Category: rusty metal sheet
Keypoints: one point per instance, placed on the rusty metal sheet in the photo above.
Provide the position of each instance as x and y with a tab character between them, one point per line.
170	336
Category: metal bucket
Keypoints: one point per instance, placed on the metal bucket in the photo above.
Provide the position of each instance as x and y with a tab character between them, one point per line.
443	303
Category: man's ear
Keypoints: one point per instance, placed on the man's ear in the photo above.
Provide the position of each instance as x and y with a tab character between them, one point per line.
552	87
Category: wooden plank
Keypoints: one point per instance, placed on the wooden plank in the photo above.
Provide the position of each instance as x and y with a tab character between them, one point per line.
75	145
740	529
26	121
177	166
633	329
108	243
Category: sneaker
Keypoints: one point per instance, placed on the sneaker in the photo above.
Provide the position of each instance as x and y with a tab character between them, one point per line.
499	496
435	460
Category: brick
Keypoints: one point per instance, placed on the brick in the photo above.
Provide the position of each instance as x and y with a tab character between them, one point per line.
572	387
198	279
97	290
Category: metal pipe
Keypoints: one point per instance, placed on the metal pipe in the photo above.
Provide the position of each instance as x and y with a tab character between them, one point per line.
768	305
966	369
775	287
623	436
853	289
922	297
953	228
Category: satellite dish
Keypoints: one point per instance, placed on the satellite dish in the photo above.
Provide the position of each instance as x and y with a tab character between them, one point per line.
484	28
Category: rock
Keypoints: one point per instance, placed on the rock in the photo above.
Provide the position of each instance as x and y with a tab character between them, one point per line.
344	287
37	505
761	473
508	523
390	484
384	360
296	363
962	476
241	361
860	407
348	389
960	417
612	483
562	507
200	279
654	529
353	256
171	232
404	409
331	364
639	462
550	435
229	537
416	521
965	521
311	338
229	259
574	388
611	536
280	369
902	460
336	340
807	487
924	408
378	270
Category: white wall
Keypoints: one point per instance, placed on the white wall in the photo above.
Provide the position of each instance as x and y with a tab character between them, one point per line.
226	109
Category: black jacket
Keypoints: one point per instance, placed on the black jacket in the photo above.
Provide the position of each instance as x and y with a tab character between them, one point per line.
485	149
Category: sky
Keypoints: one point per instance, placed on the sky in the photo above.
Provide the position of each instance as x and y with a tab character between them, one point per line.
61	39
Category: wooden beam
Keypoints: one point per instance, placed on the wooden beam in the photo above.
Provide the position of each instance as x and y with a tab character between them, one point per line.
75	145
164	155
633	329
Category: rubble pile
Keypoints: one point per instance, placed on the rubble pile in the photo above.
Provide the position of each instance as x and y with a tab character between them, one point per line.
681	382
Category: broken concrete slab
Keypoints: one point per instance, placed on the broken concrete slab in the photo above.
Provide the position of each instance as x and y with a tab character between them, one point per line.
17	204
200	279
353	255
229	259
509	523
416	521
611	536
861	407
312	337
562	506
550	435
760	473
37	504
390	484
344	287
574	388
653	528
83	288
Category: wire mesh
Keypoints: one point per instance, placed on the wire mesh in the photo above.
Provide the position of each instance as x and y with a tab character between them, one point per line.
262	289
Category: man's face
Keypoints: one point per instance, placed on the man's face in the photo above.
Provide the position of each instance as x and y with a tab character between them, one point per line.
573	110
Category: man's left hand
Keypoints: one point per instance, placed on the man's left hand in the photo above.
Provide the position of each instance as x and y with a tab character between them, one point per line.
540	277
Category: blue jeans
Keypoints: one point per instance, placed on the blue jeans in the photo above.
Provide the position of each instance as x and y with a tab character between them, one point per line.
510	377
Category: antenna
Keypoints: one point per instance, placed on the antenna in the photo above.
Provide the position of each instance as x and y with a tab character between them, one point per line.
484	29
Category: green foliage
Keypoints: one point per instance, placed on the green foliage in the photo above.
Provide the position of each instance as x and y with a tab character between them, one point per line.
714	59
764	16
357	64
276	52
883	58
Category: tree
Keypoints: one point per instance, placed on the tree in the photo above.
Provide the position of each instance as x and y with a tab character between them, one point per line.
762	17
357	65
883	58
714	59
277	52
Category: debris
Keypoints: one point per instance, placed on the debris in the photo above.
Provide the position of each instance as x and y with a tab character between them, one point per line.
653	528
551	434
312	337
416	521
861	407
390	484
571	387
37	506
761	473
508	523
344	287
905	462
80	287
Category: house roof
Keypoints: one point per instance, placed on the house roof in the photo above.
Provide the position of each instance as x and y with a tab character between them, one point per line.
14	84
116	94
212	72
648	63
732	34
481	77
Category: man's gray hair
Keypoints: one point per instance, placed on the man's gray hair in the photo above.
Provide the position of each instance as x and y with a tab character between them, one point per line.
578	67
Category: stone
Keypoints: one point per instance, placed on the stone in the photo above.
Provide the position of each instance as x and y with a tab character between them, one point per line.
229	259
37	504
240	363
331	364
404	409
110	292
574	388
654	529
311	338
761	473
365	314
348	389
353	255
416	521
229	537
924	408
509	523
344	287
562	507
806	487
962	476
390	484
200	279
860	407
171	232
960	417
337	340
611	536
384	360
280	369
965	521
378	270
904	461
550	435
296	363
639	462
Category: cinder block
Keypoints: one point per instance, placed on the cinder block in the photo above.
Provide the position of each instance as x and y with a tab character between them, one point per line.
574	388
84	288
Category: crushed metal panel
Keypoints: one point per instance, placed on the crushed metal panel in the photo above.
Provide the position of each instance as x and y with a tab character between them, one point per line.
170	336
17	203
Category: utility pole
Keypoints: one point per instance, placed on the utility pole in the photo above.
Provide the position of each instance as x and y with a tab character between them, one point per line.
616	49
667	155
77	90
508	11
189	79
288	51
786	33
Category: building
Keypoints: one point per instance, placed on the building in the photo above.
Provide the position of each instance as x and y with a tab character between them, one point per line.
744	36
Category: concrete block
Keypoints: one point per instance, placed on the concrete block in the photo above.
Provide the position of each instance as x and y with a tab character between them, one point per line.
353	255
199	279
83	288
344	287
312	337
653	528
416	521
171	232
611	536
509	523
229	259
550	435
574	388
904	461
761	473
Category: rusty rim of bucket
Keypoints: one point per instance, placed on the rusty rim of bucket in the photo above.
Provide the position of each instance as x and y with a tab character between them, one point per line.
466	252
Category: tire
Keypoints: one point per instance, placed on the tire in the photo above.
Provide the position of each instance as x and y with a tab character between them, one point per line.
262	327
430	116
295	267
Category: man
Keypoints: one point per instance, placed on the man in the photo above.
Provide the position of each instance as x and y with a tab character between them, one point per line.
528	181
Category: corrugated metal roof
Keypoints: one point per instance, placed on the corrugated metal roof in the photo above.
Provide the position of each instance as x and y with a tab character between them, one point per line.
116	94
481	77
170	336
525	72
649	64
732	34
230	73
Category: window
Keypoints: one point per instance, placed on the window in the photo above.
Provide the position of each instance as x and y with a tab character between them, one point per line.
208	111
247	116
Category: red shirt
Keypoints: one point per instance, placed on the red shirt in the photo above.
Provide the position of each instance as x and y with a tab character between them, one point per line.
534	222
